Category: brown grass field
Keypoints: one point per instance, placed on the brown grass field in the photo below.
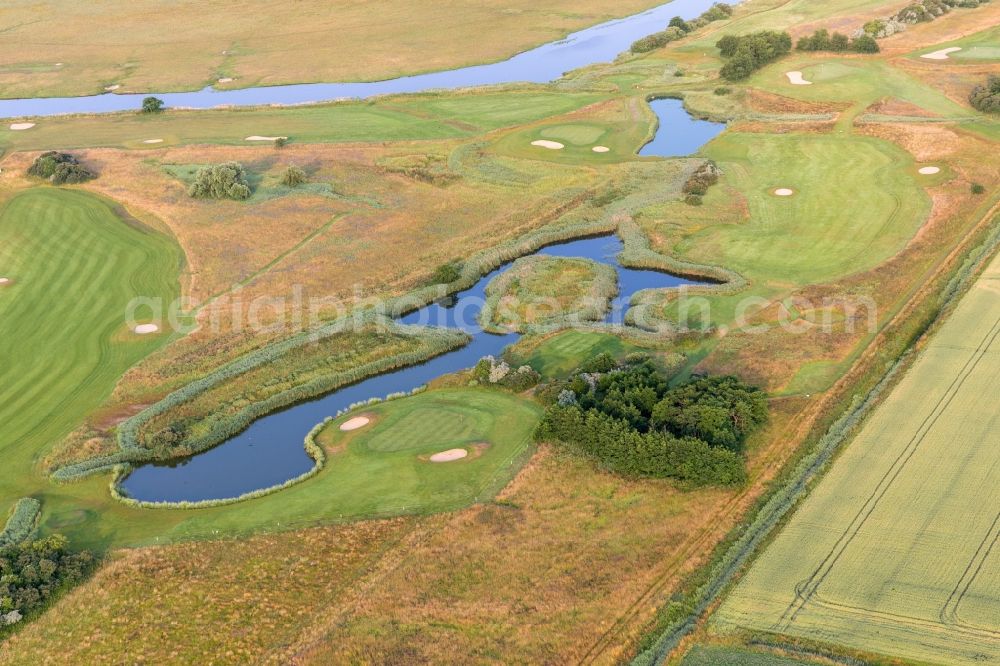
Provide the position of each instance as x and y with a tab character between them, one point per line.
154	46
570	564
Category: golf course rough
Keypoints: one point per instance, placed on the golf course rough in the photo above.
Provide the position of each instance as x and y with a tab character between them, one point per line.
894	551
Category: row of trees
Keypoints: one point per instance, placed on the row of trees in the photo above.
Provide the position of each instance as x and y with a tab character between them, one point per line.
59	168
678	28
32	572
745	54
631	420
986	98
823	40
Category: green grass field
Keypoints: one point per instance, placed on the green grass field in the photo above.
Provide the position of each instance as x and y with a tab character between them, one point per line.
561	354
383	468
818	234
393	119
894	552
74	264
726	656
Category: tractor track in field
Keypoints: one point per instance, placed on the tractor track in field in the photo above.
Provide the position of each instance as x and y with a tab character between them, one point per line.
673	566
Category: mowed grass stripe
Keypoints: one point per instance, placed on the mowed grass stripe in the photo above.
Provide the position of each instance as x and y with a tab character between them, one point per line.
75	265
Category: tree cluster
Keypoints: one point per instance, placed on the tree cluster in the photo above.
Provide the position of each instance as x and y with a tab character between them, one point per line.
697	185
152	105
678	28
491	372
824	40
31	572
629	419
745	54
60	168
220	181
986	98
918	12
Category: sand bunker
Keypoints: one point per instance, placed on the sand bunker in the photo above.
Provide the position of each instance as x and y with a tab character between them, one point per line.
153	141
784	192
4	280
21	126
942	54
256	137
146	329
226	79
112	88
601	149
355	423
929	170
551	145
795	78
450	455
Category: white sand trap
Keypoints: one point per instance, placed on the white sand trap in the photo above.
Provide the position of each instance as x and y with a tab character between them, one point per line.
112	88
21	126
450	455
226	79
929	171
795	78
942	54
256	137
551	145
355	423
4	280
784	192
601	149
152	141
146	329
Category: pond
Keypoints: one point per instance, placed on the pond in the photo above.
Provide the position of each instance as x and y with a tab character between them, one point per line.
271	450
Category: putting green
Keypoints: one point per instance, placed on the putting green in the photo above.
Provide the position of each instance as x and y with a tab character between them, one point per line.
578	135
384	468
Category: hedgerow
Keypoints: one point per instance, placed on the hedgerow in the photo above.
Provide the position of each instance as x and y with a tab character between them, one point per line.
22	521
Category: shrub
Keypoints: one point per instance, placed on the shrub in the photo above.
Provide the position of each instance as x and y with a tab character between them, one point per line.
986	98
280	142
33	572
977	188
698	183
678	72
693	199
680	24
152	105
220	181
447	273
491	372
59	168
722	90
21	522
864	44
293	176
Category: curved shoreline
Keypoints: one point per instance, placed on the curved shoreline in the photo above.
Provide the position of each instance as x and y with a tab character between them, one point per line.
548	62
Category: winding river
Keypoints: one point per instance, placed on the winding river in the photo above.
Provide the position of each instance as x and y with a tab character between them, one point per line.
599	43
271	450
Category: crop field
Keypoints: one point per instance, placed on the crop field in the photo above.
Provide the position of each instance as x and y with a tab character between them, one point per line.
152	46
894	552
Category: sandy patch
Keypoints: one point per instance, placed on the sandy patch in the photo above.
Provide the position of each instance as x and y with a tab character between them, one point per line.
545	143
941	54
112	87
601	149
153	141
929	170
795	78
145	329
450	455
355	423
784	192
21	126
4	281
226	79
257	137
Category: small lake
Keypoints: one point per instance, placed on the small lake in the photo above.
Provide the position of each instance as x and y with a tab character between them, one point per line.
599	43
271	450
678	132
